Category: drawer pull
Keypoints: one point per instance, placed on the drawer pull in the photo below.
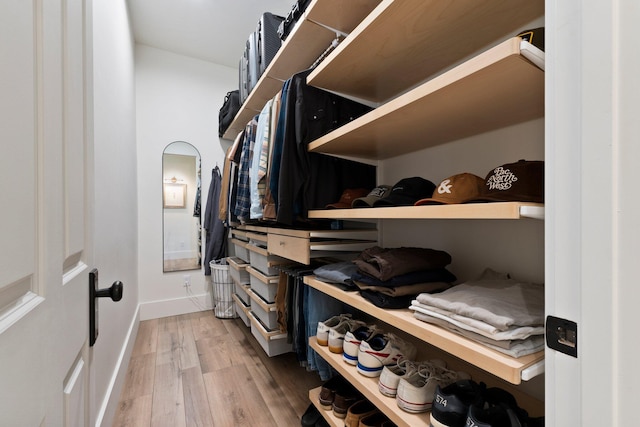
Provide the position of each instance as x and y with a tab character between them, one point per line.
281	243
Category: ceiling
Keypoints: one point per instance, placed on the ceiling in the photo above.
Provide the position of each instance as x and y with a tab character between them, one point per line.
211	30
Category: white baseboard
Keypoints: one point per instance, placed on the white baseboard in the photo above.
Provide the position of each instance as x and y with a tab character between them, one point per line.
175	306
106	411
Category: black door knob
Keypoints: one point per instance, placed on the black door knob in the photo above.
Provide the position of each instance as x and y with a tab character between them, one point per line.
114	292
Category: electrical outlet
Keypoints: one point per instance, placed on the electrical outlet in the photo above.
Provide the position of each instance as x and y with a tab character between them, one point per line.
186	280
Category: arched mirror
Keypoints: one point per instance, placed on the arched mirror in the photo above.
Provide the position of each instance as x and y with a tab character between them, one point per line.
182	232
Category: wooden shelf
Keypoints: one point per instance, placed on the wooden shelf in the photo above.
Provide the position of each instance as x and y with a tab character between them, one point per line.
312	35
369	388
401	43
501	365
497	88
501	210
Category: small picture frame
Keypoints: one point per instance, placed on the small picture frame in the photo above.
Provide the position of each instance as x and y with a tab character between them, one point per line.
174	196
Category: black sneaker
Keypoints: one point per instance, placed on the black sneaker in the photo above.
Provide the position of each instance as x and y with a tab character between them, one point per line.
451	403
501	415
499	410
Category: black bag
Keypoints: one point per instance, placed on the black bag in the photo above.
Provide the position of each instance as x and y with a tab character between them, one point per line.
229	109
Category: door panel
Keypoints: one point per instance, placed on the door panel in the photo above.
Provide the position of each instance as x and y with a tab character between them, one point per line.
44	254
74	131
17	228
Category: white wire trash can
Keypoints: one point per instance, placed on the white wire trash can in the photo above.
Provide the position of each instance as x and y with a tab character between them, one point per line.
222	290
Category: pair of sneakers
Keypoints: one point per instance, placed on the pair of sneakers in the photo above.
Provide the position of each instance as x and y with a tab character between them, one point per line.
380	350
416	391
332	332
392	374
322	333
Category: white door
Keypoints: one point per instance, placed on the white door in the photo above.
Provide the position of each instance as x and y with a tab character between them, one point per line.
45	222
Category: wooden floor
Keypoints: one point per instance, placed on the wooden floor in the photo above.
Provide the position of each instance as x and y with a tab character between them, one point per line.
198	370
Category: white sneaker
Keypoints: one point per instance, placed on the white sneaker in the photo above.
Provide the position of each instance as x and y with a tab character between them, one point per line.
381	350
322	335
352	340
337	333
415	392
392	374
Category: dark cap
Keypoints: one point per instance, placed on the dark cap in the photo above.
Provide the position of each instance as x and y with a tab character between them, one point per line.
380	192
522	181
455	189
406	192
348	196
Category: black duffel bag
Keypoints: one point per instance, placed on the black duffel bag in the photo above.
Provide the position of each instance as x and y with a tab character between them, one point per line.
229	109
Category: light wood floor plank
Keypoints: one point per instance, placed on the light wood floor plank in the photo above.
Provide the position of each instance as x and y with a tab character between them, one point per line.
140	377
196	404
168	397
134	412
218	353
167	347
234	398
205	325
187	344
146	339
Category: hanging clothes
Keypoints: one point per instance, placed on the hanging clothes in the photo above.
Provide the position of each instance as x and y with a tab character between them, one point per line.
215	240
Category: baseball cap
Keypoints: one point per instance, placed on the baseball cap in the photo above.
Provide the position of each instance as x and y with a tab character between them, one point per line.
406	192
347	197
380	192
522	181
455	189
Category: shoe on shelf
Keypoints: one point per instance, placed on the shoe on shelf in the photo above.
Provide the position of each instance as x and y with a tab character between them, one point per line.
343	400
322	334
500	409
337	333
329	390
357	411
391	374
493	416
352	340
310	417
377	419
415	392
381	350
451	403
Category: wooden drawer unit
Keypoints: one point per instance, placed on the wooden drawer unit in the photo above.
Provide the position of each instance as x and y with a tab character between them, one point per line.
302	245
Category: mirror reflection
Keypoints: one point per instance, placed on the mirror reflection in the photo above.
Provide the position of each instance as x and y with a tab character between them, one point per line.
182	232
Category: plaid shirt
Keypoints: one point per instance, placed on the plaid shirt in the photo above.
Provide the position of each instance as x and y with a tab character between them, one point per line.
243	199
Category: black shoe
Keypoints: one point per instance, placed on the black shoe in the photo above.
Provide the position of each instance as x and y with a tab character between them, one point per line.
310	417
499	410
451	403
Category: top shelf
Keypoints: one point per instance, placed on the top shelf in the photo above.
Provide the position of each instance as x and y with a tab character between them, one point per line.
403	42
312	35
498	88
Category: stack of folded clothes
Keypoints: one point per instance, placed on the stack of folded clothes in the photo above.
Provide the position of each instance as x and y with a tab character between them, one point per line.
494	310
391	277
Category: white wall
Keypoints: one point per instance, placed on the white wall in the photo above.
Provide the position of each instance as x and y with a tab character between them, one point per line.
115	201
474	245
178	99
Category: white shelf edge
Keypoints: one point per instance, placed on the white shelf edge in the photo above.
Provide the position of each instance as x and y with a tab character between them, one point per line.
532	53
532	371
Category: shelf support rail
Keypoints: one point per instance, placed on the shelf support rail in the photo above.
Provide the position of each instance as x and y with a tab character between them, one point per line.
338	32
532	371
